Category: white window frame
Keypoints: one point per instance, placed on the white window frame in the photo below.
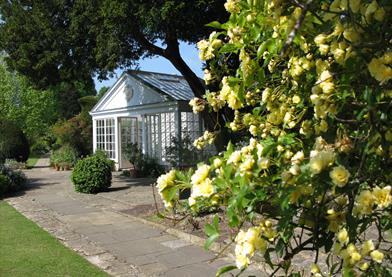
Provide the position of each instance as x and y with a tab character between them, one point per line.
106	136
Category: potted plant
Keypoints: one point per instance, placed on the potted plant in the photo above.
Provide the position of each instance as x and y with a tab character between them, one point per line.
135	156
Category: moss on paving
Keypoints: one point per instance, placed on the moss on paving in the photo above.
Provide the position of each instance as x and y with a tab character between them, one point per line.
28	250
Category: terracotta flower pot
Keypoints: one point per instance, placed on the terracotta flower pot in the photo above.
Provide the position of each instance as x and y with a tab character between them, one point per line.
134	173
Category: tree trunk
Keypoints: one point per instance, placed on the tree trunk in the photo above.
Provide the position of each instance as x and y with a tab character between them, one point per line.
172	53
211	120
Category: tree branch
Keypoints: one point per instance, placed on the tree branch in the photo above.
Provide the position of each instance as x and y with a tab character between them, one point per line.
140	37
297	26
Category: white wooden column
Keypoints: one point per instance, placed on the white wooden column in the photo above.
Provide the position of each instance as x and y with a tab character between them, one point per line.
178	127
94	135
117	140
144	135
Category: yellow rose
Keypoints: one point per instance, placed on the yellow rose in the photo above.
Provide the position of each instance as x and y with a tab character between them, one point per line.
355	5
197	105
364	266
371	9
166	180
247	165
379	14
314	269
355	257
296	99
351	35
343	236
321	160
234	102
364	202
263	163
217	162
320	39
240	236
382	196
203	45
242	261
206	188
232	6
324	49
248	248
339	176
379	71
201	174
367	246
234	158
377	256
191	201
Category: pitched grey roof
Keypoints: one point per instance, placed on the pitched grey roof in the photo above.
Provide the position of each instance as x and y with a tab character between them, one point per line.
173	85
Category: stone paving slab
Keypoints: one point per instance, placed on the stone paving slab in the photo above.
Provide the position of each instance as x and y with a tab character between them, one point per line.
94	227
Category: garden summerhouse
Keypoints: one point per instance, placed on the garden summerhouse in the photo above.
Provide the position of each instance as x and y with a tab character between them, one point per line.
150	109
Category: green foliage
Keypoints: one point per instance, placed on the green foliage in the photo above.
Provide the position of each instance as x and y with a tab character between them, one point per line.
102	92
76	132
212	231
40	147
146	166
92	174
30	109
66	156
53	51
183	153
87	103
13	142
11	180
69	97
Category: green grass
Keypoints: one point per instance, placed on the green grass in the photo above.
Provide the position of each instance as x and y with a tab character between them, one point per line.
27	250
32	161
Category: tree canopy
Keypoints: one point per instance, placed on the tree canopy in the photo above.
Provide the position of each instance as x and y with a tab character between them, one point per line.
59	40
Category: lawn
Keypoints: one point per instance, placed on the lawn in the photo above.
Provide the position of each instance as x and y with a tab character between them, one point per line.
27	250
32	161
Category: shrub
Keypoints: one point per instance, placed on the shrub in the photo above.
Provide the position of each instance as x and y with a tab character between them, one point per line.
92	174
11	180
149	167
4	184
76	132
13	164
145	165
66	156
40	147
183	152
309	82
13	142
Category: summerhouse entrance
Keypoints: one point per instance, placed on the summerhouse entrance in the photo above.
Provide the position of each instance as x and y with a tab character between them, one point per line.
129	133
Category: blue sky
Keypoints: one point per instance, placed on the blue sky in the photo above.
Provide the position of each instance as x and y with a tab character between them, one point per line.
159	64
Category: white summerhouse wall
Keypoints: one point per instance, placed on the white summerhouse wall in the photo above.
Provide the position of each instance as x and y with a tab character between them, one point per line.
128	92
129	97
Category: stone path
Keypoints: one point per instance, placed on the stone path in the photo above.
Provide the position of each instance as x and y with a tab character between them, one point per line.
94	226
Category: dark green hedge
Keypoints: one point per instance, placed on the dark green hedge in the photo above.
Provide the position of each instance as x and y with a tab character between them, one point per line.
13	142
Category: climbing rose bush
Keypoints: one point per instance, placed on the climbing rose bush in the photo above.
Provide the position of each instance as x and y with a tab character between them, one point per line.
309	86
